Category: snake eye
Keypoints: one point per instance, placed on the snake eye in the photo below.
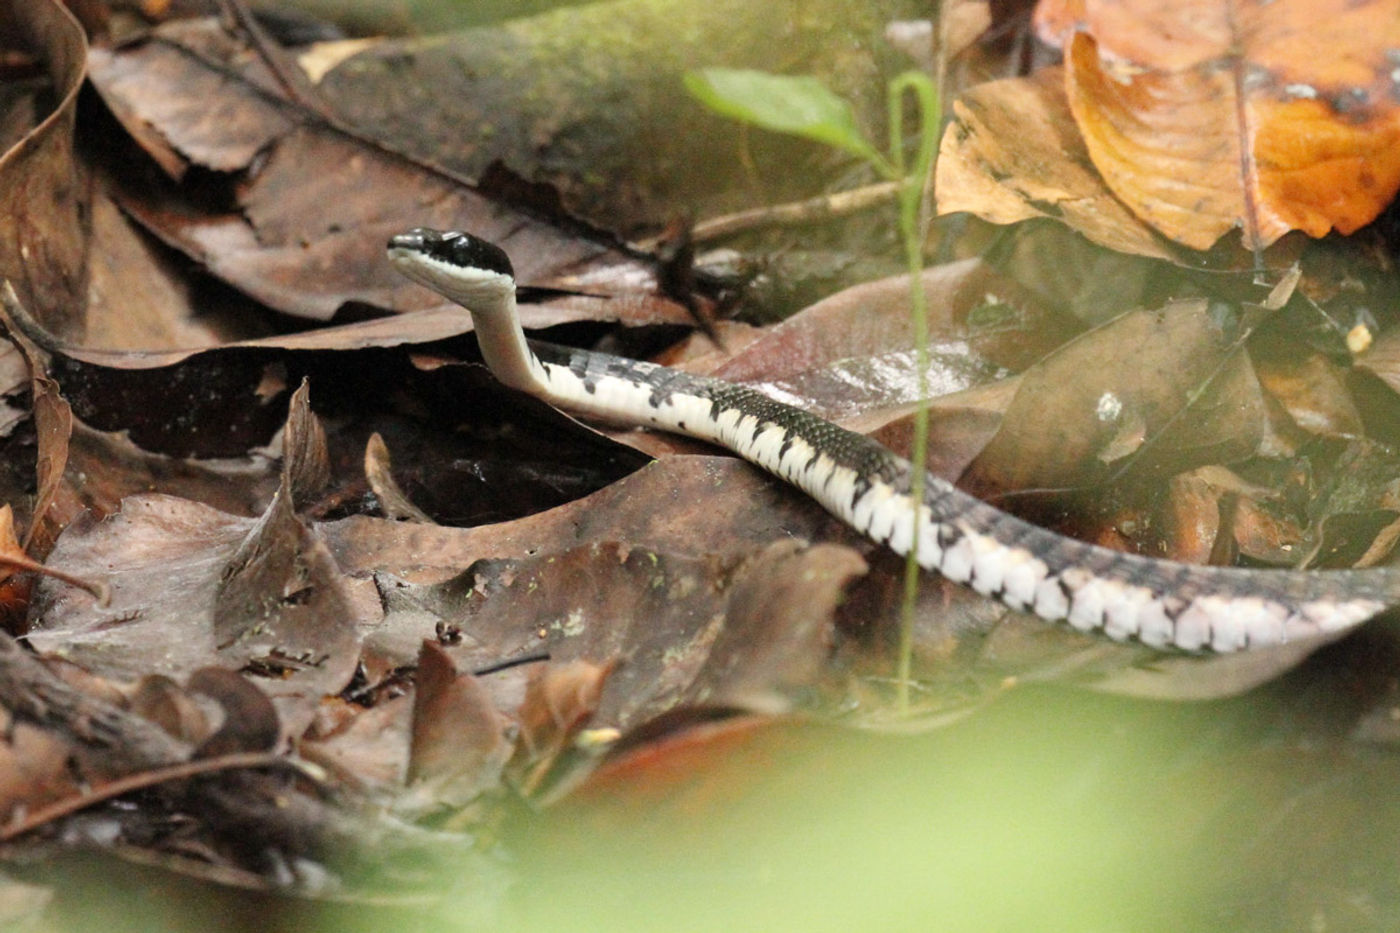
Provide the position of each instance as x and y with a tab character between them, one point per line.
468	252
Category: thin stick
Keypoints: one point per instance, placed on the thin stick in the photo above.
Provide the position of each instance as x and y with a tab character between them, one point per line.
812	210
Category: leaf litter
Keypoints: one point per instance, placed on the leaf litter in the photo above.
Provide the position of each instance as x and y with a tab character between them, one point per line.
340	671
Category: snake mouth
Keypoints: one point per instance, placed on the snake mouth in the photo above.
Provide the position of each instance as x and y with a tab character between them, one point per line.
414	240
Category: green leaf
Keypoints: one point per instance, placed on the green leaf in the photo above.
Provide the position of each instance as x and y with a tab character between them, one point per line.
799	105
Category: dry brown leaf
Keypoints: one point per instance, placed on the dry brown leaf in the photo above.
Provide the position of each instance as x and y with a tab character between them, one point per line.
105	467
1012	153
392	500
317	205
459	745
306	467
365	748
35	768
258	594
165	703
43	244
1205	116
960	426
659	611
779	628
280	609
688	506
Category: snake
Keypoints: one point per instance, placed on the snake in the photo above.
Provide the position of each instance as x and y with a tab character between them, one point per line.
1160	603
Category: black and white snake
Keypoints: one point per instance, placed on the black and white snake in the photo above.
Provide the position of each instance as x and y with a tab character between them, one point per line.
1161	603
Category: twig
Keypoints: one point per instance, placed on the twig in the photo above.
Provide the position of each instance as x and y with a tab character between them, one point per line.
507	664
809	211
20	562
287	74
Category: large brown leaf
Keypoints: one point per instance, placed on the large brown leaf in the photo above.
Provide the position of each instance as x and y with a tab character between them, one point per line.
1012	153
1205	116
260	595
314	205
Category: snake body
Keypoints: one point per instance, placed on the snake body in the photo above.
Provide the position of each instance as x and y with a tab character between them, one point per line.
1159	602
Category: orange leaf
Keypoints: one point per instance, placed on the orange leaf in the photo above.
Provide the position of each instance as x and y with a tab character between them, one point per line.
1012	153
1203	116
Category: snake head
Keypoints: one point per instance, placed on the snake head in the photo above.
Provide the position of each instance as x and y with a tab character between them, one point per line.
465	268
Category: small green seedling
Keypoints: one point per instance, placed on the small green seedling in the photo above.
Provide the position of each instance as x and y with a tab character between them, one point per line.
803	106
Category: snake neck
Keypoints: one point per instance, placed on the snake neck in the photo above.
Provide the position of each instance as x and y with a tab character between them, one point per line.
503	345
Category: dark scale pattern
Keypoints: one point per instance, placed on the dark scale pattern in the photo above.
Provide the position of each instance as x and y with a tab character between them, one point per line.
1176	584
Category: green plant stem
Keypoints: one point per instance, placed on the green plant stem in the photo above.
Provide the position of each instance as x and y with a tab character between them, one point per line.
910	197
